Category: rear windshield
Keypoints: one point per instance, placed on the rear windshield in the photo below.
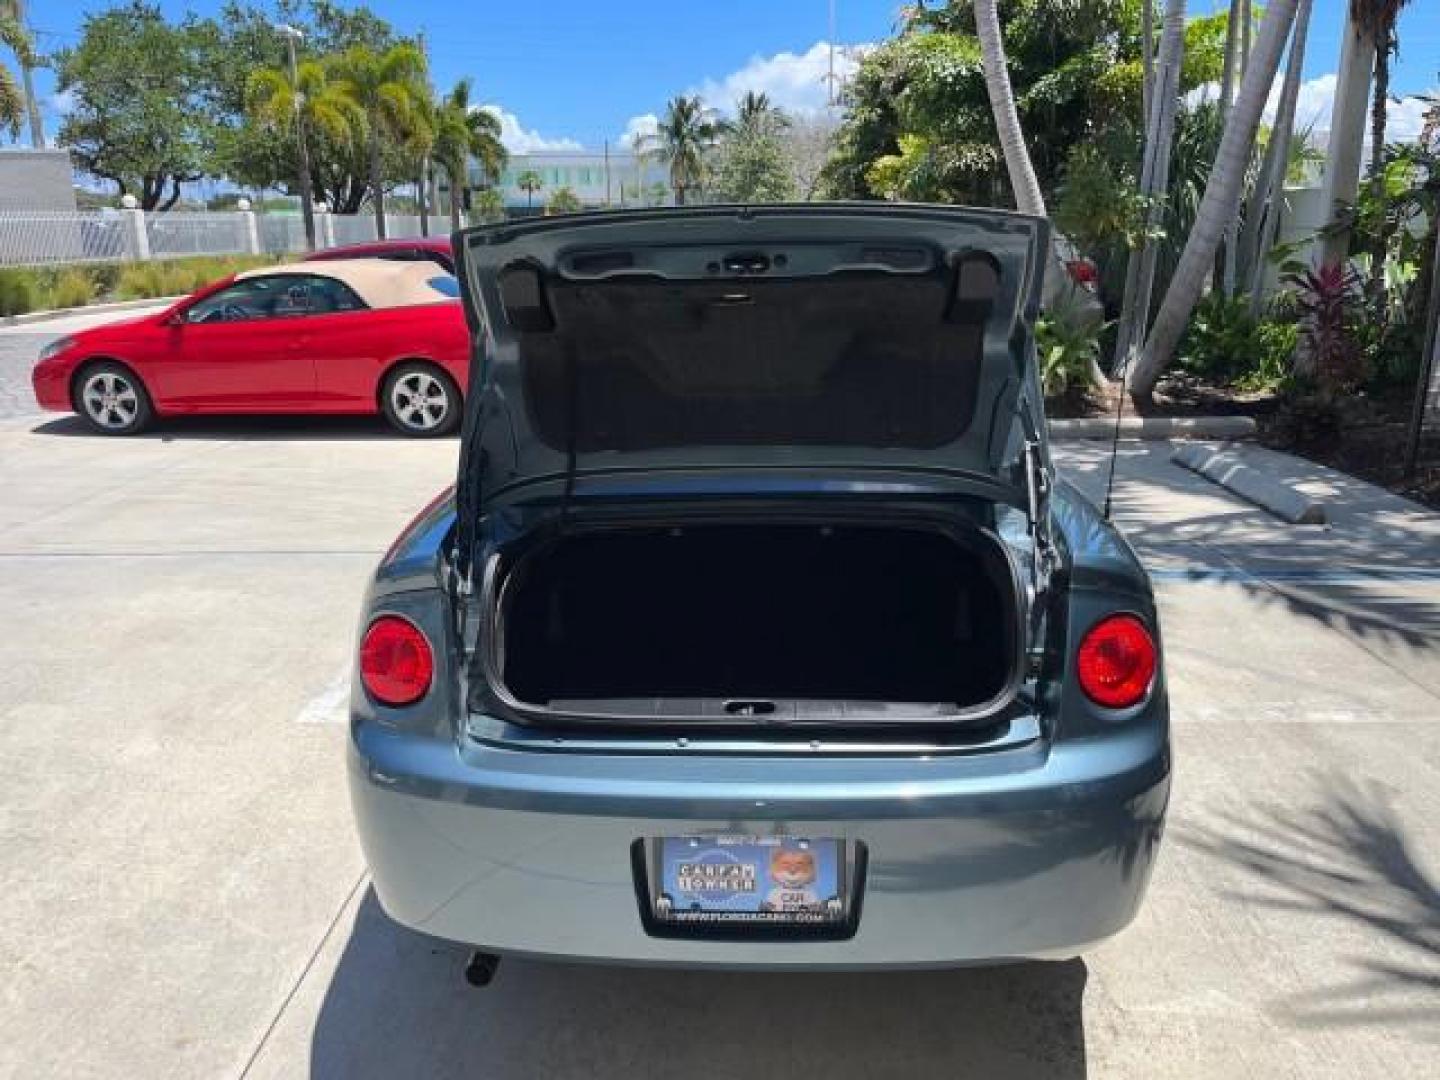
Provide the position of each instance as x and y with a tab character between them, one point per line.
860	358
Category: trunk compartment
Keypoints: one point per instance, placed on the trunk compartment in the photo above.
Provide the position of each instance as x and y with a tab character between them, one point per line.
763	622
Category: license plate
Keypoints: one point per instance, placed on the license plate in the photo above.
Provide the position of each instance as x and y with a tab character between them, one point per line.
740	880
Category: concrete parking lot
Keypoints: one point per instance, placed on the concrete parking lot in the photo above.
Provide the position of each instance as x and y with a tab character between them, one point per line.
184	895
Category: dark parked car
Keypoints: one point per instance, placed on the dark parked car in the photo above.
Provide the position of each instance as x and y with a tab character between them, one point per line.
758	630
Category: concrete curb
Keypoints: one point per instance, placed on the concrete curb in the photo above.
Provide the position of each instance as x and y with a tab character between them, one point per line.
1156	427
88	309
1230	472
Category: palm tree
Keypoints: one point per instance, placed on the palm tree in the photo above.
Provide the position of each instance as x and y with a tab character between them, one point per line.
311	103
16	101
563	201
462	132
755	114
687	133
1154	182
388	87
1263	220
1380	17
1220	203
490	204
529	182
1002	103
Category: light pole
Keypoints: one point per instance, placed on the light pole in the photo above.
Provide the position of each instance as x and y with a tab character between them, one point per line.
307	209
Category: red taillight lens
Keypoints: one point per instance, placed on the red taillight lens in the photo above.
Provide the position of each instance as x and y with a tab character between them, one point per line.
1117	661
396	664
1082	271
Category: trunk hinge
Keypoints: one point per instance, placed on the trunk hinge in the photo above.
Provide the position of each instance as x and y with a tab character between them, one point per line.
1045	558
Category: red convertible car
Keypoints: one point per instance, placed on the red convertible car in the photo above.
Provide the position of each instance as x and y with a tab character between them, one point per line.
344	337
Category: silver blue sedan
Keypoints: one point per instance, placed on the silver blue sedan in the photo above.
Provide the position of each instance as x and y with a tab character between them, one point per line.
757	631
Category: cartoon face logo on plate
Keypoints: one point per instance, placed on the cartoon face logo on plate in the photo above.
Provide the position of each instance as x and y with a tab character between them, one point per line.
793	874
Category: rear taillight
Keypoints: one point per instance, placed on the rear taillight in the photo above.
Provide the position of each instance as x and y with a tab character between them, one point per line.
396	664
1082	271
1116	662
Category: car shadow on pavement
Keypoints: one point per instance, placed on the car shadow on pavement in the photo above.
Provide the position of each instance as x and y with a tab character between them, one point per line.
238	429
397	1005
1345	858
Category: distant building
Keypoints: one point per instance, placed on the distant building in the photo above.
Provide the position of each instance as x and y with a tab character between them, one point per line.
597	179
36	179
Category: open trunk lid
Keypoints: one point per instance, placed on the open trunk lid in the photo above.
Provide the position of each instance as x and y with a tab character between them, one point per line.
853	339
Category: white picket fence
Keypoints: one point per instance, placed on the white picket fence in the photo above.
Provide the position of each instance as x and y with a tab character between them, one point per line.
58	238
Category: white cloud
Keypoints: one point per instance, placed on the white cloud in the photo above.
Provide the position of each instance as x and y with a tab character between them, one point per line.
521	140
62	103
644	126
1315	101
795	81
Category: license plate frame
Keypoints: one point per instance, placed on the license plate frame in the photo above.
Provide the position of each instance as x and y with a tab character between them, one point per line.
667	911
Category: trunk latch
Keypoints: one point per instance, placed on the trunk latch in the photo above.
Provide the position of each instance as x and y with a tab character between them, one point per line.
749	707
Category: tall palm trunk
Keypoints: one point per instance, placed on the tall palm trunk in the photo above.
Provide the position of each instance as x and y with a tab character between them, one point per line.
377	193
1263	222
1002	103
422	197
1154	180
1347	134
1220	202
1380	240
1147	56
457	193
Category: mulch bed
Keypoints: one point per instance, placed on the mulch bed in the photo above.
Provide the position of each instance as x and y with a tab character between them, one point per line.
1370	442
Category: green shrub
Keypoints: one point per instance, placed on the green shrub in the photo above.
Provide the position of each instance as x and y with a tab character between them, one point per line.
71	287
18	292
141	281
1067	344
1225	344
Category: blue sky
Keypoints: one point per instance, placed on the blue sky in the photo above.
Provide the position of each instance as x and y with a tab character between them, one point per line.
566	71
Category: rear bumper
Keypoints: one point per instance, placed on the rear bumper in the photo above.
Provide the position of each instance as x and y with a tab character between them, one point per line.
1035	852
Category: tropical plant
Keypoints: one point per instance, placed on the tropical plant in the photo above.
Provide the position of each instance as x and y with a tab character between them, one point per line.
389	88
310	102
1379	17
18	99
751	165
1074	68
1067	345
1326	299
1220	203
490	204
686	135
464	131
563	201
14	101
529	182
1226	344
755	114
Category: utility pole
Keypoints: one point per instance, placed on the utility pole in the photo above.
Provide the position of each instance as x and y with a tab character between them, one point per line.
830	76
1427	366
307	206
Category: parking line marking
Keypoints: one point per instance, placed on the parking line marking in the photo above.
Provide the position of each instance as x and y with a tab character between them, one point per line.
328	706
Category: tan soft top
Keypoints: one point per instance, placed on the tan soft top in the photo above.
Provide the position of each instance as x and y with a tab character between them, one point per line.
381	283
